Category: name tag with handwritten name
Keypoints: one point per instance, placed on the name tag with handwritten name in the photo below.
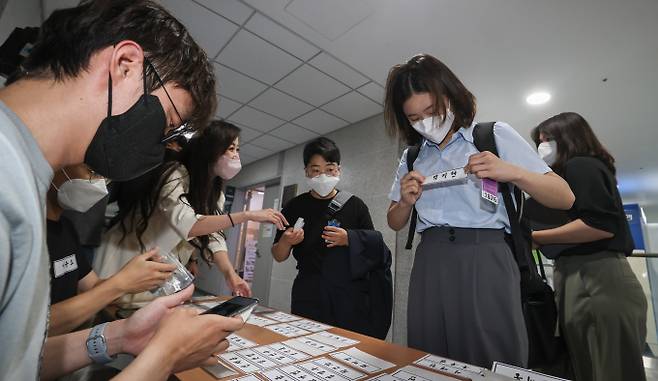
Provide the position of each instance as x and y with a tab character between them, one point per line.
451	175
65	265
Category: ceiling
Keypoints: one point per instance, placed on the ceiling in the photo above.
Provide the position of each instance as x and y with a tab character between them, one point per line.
290	70
279	87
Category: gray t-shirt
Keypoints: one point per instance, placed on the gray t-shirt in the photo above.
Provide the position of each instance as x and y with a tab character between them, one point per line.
25	176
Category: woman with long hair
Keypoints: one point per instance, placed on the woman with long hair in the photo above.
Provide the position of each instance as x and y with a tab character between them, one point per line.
182	211
602	308
464	292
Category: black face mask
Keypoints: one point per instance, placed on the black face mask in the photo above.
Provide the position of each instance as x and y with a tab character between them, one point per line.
128	145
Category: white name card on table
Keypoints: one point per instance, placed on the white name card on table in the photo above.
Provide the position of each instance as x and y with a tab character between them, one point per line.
238	342
520	374
238	362
282	317
413	373
219	371
450	366
341	370
293	353
246	378
286	330
260	321
276	375
310	346
272	354
310	325
332	339
362	360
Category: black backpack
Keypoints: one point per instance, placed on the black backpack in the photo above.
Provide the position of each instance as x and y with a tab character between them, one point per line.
537	297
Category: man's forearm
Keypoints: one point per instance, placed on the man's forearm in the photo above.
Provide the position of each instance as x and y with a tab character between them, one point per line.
69	314
149	365
281	251
67	353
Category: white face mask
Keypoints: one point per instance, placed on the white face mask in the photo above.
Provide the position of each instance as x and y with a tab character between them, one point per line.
548	151
80	194
227	168
322	184
432	129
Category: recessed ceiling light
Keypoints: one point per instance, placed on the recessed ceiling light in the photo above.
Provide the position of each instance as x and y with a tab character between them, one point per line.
538	98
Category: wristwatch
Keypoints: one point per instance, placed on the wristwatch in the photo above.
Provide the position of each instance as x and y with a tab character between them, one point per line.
97	345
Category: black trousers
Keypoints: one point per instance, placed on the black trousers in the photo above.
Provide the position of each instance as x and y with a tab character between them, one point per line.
332	300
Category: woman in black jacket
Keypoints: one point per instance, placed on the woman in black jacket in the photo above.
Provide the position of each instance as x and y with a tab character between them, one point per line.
602	308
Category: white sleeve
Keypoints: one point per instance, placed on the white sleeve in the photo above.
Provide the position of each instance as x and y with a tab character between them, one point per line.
5	257
174	206
516	150
217	241
394	194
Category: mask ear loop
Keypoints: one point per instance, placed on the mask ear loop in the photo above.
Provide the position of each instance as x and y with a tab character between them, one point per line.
65	174
144	79
109	95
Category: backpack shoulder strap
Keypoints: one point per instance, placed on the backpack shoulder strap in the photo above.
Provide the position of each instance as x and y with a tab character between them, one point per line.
485	140
412	155
338	202
483	137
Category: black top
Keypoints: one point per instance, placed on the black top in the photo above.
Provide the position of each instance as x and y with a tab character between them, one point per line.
67	266
311	251
90	224
598	204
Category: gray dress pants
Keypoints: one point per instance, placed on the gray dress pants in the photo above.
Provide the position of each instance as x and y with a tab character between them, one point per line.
465	298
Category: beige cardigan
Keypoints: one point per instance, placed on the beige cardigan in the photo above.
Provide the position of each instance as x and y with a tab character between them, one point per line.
167	229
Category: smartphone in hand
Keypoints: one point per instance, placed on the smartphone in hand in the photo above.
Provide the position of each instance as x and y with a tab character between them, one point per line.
237	306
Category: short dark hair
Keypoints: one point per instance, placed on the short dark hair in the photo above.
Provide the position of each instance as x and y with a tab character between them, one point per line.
69	37
324	147
574	137
425	74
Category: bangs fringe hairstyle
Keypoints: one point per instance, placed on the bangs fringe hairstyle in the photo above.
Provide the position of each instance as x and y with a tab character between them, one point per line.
425	74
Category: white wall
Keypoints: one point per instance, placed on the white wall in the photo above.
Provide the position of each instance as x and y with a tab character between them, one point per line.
50	5
259	172
19	13
369	159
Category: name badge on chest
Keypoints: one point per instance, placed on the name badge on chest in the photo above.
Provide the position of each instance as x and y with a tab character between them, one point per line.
490	191
65	265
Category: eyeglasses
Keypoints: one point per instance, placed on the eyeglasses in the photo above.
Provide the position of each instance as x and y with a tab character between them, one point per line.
330	170
185	127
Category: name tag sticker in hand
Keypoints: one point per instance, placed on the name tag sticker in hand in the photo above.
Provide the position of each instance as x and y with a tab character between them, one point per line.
455	174
490	190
